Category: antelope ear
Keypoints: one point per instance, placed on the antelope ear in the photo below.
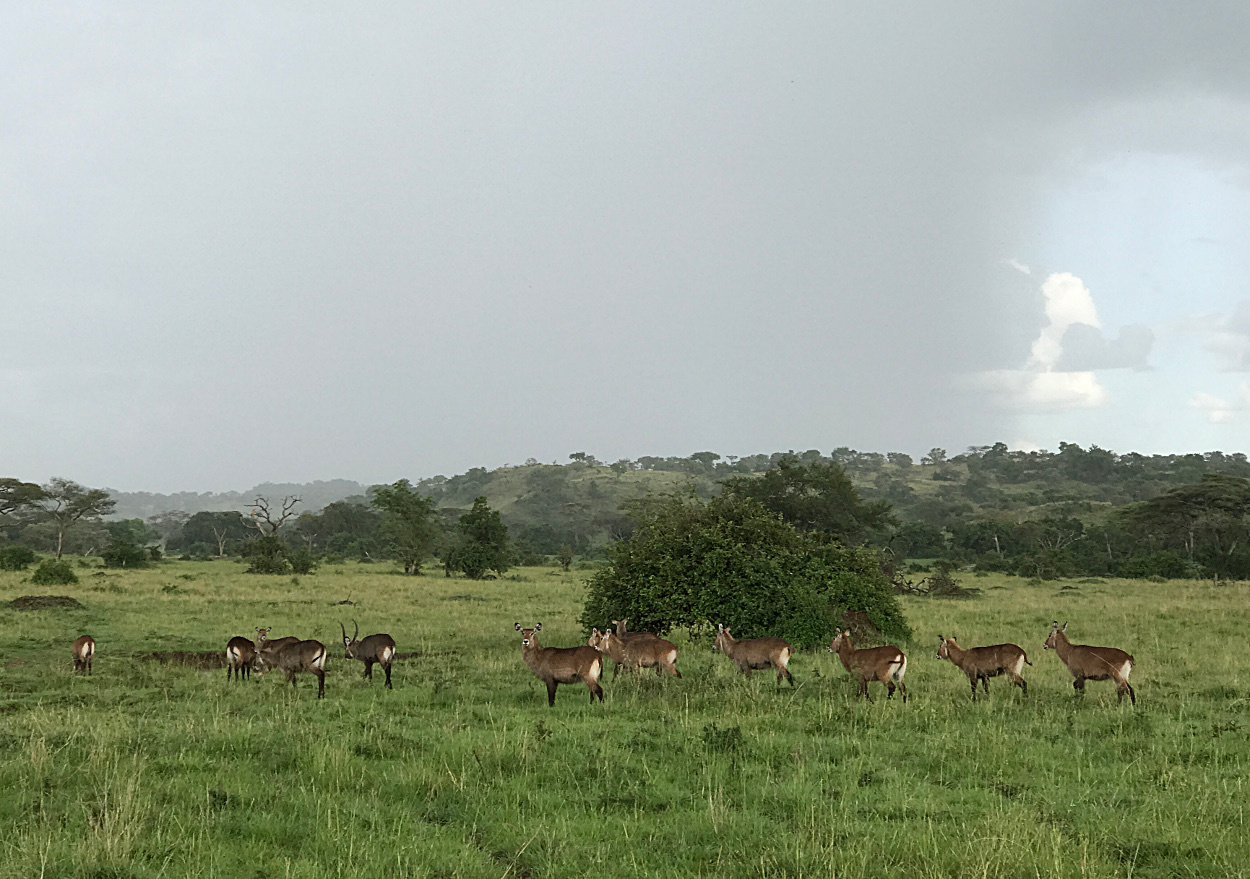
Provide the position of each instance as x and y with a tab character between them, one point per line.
1065	628
538	627
720	627
518	627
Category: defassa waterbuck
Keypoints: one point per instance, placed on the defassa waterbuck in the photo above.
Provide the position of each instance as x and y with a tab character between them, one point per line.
378	649
240	657
561	665
293	657
750	653
84	650
885	664
1092	663
983	663
639	650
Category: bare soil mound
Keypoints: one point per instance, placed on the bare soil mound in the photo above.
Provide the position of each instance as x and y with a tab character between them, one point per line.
45	602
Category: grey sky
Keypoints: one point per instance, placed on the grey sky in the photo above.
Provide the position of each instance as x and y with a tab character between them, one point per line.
300	241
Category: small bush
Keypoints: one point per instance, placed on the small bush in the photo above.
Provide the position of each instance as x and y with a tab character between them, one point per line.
54	572
16	557
301	561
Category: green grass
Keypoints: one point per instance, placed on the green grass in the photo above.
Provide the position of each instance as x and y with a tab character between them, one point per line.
146	770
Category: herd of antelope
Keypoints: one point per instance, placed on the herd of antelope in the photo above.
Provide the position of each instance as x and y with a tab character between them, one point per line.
289	655
636	650
887	665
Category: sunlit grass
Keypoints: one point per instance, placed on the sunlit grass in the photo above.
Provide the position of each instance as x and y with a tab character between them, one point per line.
148	770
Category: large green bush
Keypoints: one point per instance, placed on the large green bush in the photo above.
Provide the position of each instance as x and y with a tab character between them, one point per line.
16	557
54	572
124	554
731	561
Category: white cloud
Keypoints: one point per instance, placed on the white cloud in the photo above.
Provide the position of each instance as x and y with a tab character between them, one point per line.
1217	409
1060	371
1018	266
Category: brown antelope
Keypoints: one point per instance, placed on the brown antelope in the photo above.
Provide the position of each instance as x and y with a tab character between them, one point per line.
885	664
561	665
1092	663
263	642
752	653
374	648
84	650
983	663
639	650
293	657
240	656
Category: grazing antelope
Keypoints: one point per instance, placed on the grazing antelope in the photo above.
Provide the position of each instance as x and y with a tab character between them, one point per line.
240	656
983	663
84	650
752	653
1092	663
885	664
561	665
639	650
293	657
374	648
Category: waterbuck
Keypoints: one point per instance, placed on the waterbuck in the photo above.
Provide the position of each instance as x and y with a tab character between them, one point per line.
752	653
561	665
1092	663
263	642
374	648
983	663
294	657
240	656
639	650
84	650
885	664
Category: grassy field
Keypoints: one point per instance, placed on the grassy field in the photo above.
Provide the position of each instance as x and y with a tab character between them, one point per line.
146	769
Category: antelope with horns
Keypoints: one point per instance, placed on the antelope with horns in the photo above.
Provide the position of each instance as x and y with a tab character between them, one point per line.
752	653
983	663
637	650
374	648
293	657
561	665
885	664
240	656
1092	663
84	650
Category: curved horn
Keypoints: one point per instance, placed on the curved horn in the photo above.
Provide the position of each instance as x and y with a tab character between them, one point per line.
357	632
344	631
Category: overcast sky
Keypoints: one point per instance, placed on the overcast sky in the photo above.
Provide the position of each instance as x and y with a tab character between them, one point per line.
301	241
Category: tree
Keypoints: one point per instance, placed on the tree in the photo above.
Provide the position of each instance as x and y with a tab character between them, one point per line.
168	524
264	518
222	529
408	523
730	560
483	543
65	502
16	496
815	497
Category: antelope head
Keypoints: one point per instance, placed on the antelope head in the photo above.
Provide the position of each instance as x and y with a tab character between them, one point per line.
1055	629
349	644
944	652
527	635
838	639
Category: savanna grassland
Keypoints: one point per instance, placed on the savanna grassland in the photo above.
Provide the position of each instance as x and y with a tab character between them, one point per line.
147	769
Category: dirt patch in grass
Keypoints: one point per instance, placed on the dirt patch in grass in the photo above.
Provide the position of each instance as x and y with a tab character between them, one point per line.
45	602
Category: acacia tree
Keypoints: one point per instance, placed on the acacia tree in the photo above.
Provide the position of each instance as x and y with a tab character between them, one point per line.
65	502
408	522
267	521
483	543
16	496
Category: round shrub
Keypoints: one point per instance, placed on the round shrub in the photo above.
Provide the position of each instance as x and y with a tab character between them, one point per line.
54	572
732	561
15	557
